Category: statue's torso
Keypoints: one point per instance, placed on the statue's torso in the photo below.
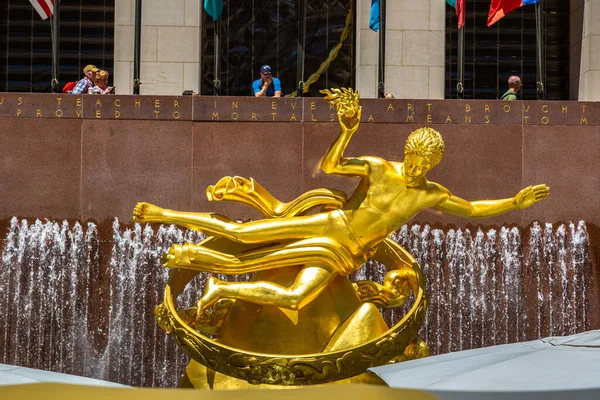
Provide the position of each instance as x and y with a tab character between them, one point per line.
384	202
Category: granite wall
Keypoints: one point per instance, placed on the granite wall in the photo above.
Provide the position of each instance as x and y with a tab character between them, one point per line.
93	158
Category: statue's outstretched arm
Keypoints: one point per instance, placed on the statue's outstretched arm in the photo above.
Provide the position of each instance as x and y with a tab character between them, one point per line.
489	208
349	112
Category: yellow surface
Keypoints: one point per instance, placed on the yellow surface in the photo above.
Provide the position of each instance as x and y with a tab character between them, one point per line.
74	392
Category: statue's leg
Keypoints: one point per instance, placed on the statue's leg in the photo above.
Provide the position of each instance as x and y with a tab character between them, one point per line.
146	212
260	231
308	284
324	257
315	251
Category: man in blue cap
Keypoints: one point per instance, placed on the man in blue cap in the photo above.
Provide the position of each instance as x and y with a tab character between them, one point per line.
267	85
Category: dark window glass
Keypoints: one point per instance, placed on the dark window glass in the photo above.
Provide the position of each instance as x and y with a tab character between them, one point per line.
508	48
258	32
86	37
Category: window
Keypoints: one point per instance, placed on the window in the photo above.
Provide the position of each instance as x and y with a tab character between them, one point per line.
86	37
258	32
508	48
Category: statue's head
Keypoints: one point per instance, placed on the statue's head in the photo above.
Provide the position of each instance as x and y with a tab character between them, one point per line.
424	150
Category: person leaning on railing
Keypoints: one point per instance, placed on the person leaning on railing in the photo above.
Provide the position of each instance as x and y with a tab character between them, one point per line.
514	85
267	85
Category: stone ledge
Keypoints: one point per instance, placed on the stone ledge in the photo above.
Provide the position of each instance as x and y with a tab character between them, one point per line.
248	109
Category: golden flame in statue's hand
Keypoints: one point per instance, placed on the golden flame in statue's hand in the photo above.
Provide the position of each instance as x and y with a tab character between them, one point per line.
346	101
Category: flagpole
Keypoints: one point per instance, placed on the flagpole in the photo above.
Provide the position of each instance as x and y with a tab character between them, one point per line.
301	46
540	50
55	27
137	43
217	57
381	71
460	7
461	62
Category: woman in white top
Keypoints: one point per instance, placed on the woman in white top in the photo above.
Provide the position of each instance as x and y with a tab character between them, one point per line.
101	84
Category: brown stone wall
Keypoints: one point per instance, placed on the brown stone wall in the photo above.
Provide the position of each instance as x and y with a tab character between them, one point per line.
93	158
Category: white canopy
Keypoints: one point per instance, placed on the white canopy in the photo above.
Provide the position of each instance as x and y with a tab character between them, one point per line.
14	375
570	363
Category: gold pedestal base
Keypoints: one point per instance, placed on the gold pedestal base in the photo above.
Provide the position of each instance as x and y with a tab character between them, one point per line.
199	377
338	334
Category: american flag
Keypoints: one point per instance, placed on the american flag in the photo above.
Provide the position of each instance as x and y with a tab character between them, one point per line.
43	7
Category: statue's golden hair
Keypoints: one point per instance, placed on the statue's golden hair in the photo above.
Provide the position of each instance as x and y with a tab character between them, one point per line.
427	143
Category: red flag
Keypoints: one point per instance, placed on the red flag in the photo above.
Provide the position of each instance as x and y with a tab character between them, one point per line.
460	12
499	8
43	7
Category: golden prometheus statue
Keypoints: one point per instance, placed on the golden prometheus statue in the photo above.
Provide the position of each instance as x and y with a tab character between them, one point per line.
300	320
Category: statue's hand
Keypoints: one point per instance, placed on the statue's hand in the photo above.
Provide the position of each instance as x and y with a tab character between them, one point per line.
350	118
531	195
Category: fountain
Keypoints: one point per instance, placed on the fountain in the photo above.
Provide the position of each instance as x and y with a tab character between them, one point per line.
65	307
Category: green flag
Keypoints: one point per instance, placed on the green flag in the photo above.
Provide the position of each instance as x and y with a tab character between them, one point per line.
214	8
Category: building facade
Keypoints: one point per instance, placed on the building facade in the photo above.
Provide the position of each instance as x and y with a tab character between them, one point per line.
178	50
417	39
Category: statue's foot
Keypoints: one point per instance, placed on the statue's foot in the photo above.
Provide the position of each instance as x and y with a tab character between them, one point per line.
146	212
211	296
180	256
172	258
197	257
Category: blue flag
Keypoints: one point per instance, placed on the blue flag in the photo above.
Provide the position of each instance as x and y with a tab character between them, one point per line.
214	8
374	21
452	3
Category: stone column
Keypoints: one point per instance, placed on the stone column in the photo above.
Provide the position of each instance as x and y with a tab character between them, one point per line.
575	36
414	49
170	46
587	14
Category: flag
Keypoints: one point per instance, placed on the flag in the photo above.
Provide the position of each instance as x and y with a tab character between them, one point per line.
214	8
459	5
43	7
499	8
374	20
